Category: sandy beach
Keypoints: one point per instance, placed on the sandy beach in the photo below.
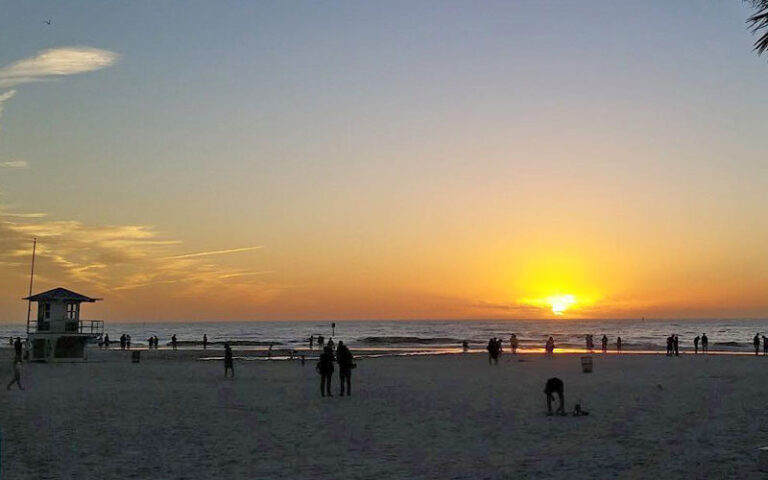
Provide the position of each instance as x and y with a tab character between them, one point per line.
451	416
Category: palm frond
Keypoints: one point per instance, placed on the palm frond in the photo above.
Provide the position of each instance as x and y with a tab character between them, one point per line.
759	22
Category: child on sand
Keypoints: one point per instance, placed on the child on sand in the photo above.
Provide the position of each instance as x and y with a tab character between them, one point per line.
555	385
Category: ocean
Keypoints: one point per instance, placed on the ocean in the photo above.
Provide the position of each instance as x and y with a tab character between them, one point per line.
439	336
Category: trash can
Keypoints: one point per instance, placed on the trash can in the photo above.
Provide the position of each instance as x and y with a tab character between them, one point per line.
135	356
586	364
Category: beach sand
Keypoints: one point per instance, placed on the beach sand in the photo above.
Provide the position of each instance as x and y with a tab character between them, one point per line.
430	417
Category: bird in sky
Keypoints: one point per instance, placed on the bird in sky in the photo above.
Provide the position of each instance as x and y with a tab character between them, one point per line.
47	21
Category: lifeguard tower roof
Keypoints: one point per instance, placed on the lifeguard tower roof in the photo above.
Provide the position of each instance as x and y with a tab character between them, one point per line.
60	294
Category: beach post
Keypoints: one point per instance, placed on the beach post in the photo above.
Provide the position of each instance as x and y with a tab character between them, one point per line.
586	364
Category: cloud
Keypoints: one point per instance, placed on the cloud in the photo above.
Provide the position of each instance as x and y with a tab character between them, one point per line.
56	62
14	163
115	261
5	96
217	252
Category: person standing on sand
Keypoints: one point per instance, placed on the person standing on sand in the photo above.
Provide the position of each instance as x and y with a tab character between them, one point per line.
756	343
676	344
17	348
16	375
549	348
346	364
106	342
311	341
618	344
669	346
555	385
696	345
513	343
320	341
605	343
205	341
465	346
173	341
128	341
493	351
228	360
150	341
704	343
325	369
157	342
765	345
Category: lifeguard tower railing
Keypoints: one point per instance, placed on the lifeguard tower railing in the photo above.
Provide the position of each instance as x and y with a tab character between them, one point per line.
93	328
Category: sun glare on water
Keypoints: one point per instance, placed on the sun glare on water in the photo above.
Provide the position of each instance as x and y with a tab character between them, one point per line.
561	303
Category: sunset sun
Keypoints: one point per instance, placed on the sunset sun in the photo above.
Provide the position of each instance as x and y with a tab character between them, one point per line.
561	303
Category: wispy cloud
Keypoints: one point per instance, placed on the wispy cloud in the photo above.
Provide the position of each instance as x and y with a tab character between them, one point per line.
23	215
56	62
14	163
4	97
217	252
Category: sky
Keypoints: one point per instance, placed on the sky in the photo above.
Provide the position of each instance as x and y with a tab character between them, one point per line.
273	160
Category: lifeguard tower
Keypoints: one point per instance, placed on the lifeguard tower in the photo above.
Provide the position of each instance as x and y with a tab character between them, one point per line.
59	334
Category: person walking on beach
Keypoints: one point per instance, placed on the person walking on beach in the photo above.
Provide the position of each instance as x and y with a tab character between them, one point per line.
16	375
173	341
669	346
555	385
122	342
128	341
150	341
696	344
157	342
676	345
311	341
320	341
205	341
346	364
605	344
465	346
331	344
756	343
618	344
106	341
17	349
325	369
704	343
590	343
228	361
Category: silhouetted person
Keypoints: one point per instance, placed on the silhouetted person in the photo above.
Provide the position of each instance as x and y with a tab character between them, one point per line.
16	375
346	364
669	346
756	343
465	346
17	349
696	344
549	348
555	385
205	341
513	343
331	344
590	343
122	342
676	345
157	341
173	341
704	343
150	342
604	343
106	341
618	344
311	342
493	351
128	341
320	341
229	363
765	345
325	369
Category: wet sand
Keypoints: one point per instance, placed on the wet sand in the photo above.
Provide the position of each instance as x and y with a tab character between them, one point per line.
173	416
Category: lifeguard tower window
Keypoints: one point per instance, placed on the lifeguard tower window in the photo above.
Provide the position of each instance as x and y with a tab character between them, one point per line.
72	309
44	311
